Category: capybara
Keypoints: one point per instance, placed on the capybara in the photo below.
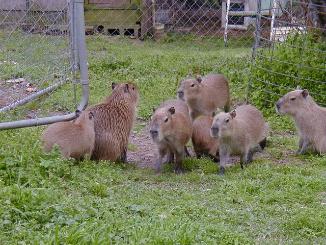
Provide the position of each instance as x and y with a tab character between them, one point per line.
113	122
240	132
204	144
204	95
180	106
171	129
74	138
309	118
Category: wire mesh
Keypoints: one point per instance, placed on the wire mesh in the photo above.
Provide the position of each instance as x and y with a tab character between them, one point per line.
291	52
35	59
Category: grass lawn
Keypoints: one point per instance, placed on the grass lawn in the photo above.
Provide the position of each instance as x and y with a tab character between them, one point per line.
279	198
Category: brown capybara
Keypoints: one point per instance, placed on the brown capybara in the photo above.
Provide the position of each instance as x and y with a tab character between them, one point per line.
240	132
113	122
204	144
204	95
309	118
74	138
171	129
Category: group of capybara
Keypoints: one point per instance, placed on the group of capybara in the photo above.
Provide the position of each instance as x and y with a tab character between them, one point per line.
200	113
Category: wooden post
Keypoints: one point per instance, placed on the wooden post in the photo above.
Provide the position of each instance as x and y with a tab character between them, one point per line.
146	19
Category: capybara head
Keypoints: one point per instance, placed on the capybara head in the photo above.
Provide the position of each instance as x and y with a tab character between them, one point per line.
222	124
161	123
128	90
83	116
189	87
292	102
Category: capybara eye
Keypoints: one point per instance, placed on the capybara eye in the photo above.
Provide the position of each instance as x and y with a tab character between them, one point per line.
227	120
193	85
293	98
166	120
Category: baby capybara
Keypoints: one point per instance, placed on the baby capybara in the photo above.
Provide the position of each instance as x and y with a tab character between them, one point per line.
170	130
309	118
240	132
114	119
204	95
74	138
204	144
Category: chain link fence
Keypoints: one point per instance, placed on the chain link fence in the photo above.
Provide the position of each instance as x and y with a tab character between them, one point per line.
43	53
156	19
40	61
290	51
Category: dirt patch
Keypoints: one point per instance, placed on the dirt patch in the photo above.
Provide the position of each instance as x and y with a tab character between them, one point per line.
142	151
13	90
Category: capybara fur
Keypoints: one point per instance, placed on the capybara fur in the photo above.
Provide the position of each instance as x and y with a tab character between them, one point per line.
171	129
204	95
74	138
310	119
113	122
204	144
240	132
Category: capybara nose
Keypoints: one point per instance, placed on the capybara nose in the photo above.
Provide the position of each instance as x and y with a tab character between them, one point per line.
153	132
180	94
214	131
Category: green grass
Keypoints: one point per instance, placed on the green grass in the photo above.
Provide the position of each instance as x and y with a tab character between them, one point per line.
279	198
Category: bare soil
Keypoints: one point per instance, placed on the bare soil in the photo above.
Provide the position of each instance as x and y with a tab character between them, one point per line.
13	91
143	152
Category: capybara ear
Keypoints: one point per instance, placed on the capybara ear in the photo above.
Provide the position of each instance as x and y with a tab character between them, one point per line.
172	110
113	85
153	109
305	93
90	115
199	79
217	111
233	113
126	89
78	112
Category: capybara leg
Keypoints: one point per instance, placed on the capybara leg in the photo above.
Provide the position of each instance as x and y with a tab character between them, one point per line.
305	147
215	158
250	156
170	158
65	154
244	159
199	155
187	154
301	143
158	164
178	162
224	158
123	157
251	153
263	143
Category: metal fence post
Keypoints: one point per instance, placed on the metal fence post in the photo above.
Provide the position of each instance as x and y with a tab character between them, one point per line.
256	44
258	29
79	20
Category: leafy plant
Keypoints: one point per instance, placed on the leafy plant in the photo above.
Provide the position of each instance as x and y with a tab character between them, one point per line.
299	61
